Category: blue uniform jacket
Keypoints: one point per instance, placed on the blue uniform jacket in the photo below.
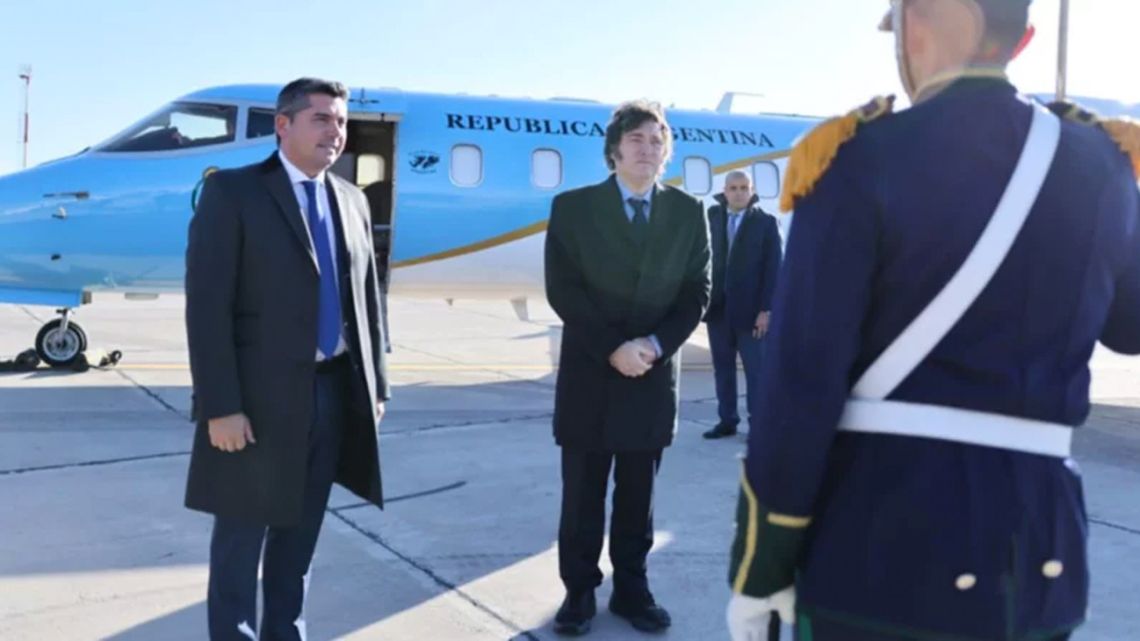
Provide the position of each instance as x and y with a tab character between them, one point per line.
940	539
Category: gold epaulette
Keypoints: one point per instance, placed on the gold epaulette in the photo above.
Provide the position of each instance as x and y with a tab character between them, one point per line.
1125	132
812	156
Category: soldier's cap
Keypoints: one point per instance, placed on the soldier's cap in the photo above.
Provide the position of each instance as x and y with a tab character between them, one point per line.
1008	14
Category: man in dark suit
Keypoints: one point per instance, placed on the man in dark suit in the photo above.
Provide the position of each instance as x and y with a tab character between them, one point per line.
627	271
285	337
745	261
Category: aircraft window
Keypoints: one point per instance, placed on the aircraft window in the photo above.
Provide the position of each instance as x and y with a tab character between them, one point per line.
260	123
369	169
698	176
182	125
766	179
466	165
546	168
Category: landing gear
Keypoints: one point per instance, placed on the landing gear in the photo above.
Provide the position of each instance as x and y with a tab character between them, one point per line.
60	342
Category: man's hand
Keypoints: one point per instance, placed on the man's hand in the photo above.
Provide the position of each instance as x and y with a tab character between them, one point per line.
647	350
379	411
748	616
761	327
628	360
231	433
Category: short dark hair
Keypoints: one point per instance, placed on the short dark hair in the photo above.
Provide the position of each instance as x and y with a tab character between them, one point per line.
1006	22
629	116
294	97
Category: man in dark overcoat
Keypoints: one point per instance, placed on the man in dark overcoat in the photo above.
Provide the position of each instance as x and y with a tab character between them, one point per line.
627	271
286	353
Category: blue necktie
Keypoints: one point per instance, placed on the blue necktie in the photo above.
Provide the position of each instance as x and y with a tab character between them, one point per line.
640	219
328	315
733	225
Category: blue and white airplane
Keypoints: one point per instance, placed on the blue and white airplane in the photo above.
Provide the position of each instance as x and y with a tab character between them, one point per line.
459	186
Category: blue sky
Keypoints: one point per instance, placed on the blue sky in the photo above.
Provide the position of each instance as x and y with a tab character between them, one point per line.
99	66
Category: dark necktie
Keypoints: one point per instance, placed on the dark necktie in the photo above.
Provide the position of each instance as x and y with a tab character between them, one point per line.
328	314
640	218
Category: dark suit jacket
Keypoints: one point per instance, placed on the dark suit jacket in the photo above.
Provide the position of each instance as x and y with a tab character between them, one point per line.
607	292
744	280
251	321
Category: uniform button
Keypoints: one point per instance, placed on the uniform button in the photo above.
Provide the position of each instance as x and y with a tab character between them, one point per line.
1052	569
965	582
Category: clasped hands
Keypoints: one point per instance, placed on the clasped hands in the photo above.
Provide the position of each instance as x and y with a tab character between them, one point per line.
634	358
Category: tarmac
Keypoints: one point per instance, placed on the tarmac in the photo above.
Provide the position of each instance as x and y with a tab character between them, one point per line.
95	542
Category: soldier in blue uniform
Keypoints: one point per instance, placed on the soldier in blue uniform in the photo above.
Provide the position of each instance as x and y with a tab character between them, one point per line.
950	269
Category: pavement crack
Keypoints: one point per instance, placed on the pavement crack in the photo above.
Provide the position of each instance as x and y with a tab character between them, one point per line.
403	497
436	578
485	556
31	314
474	422
1115	526
97	463
153	395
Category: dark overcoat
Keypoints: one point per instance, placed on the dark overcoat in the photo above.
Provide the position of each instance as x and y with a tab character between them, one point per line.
251	318
607	289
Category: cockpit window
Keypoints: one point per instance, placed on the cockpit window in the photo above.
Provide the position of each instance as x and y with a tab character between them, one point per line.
260	123
182	125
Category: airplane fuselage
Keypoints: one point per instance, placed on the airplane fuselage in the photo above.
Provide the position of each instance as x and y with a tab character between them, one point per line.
470	183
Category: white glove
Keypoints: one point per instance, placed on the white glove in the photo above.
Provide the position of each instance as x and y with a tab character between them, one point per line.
748	616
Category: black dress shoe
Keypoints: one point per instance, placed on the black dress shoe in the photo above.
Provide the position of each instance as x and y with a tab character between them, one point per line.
642	613
573	618
721	430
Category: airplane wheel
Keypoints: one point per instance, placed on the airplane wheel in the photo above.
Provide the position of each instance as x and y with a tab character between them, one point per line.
60	348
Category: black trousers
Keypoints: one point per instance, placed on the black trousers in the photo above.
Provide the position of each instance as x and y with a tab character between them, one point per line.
725	343
236	546
585	480
817	629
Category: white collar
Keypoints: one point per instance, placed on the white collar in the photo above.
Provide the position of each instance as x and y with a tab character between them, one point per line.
296	175
627	193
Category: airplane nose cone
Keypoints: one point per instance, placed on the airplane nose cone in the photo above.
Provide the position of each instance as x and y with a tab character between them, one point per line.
17	205
31	222
13	189
18	197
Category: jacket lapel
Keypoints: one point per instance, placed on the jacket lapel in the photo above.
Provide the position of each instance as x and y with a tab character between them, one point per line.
346	217
659	215
660	226
741	237
718	234
277	182
345	232
611	218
